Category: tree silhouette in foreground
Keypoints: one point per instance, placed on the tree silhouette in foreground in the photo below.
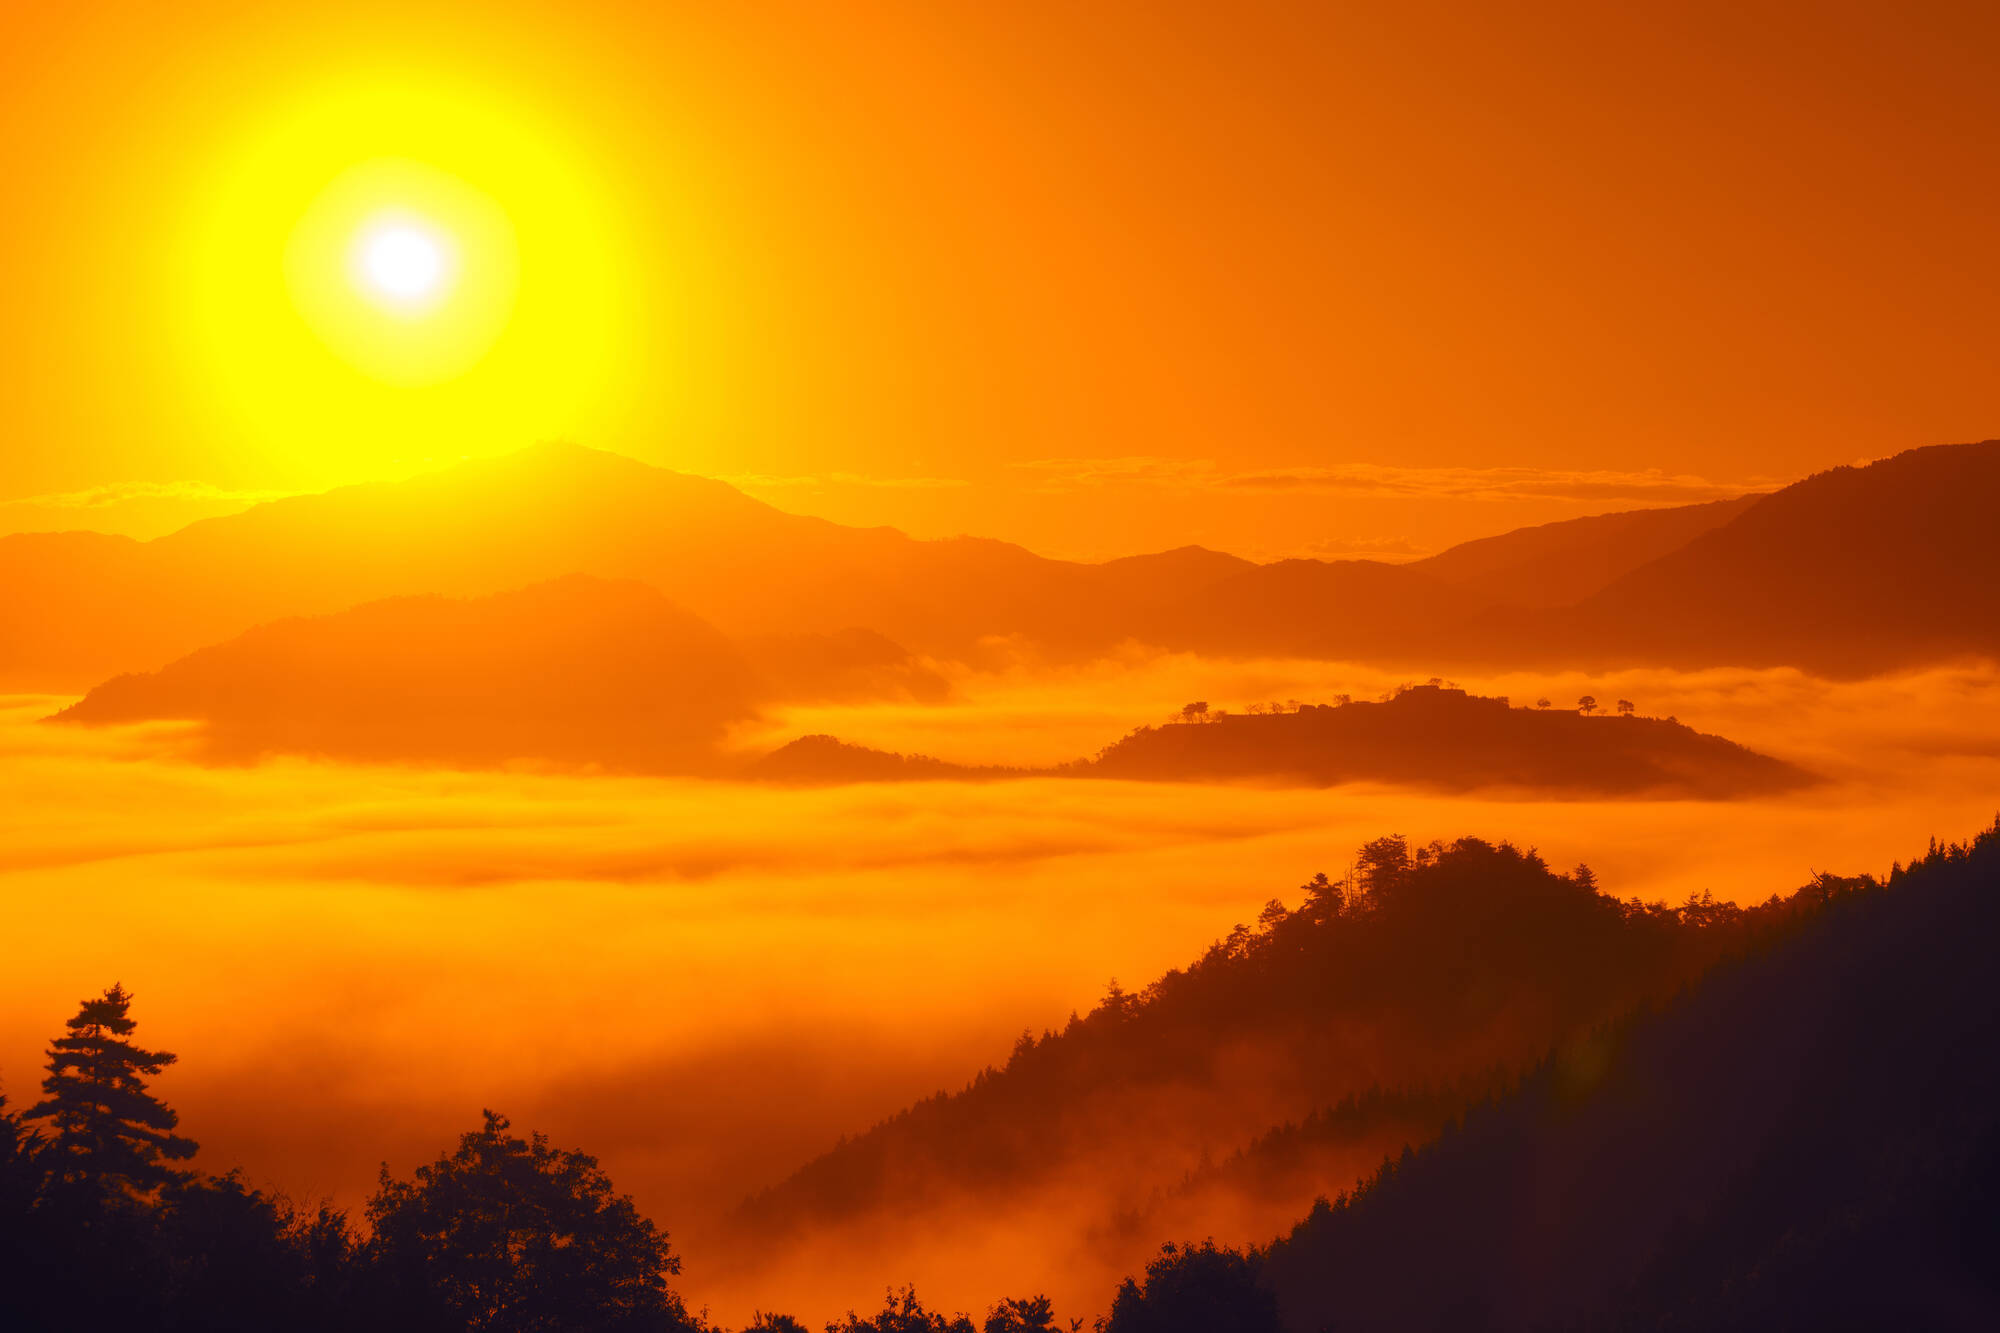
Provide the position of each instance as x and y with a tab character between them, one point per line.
902	1312
1806	1136
510	1234
1196	1289
108	1127
1036	1314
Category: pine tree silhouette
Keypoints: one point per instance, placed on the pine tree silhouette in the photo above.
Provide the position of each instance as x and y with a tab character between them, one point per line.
108	1127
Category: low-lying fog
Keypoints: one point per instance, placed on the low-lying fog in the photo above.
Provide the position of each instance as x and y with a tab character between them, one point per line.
705	984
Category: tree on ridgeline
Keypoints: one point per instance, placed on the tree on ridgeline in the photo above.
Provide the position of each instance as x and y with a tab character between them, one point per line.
902	1312
108	1127
510	1235
1035	1314
1383	864
1542	702
1196	1289
1325	898
1626	707
1587	704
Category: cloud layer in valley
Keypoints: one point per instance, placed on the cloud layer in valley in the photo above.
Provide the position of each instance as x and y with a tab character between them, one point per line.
707	983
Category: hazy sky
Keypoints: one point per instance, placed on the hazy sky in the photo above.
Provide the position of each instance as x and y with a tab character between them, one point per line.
1096	278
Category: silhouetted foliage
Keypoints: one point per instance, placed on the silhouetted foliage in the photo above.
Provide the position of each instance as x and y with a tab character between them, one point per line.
902	1312
1810	1138
1033	1314
1196	1289
1430	971
107	1127
510	1235
1807	1136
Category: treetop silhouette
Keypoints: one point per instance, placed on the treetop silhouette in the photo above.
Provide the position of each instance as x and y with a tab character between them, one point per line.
508	1233
108	1126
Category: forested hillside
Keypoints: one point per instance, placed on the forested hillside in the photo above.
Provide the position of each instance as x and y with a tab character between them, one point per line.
1413	976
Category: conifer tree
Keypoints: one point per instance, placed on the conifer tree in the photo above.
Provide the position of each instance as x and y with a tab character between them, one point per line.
108	1127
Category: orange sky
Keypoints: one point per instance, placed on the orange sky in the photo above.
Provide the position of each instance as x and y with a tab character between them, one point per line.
1310	272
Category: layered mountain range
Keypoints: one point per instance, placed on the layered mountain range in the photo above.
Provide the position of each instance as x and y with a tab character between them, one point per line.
1852	571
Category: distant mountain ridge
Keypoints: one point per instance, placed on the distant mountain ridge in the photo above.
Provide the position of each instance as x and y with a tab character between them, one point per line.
1560	564
1852	571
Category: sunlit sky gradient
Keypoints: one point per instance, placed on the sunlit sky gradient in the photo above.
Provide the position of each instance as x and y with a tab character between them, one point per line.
1307	272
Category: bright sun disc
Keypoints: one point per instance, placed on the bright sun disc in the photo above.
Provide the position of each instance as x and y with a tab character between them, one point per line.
402	262
407	272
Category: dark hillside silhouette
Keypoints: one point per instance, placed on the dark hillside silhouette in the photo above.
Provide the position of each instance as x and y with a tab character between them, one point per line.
1423	972
1810	1138
1558	564
1788	1121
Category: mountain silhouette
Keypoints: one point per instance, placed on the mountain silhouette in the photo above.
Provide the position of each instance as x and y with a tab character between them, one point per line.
1558	564
81	607
1370	1013
1808	1138
1855	570
578	670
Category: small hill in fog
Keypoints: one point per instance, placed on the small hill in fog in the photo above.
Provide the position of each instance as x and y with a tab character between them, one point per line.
1437	736
1433	736
578	670
827	761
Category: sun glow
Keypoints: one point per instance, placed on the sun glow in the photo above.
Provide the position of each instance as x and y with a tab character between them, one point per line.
407	272
386	265
402	263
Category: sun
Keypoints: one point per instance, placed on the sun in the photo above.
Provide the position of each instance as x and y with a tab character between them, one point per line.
401	263
384	267
406	271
